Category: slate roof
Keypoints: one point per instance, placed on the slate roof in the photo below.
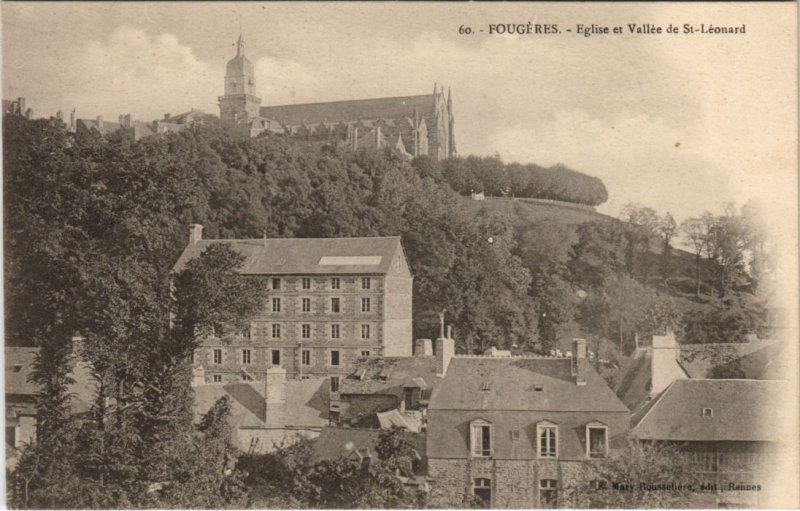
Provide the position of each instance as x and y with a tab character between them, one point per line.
306	406
743	410
389	375
353	110
702	360
293	256
508	384
18	367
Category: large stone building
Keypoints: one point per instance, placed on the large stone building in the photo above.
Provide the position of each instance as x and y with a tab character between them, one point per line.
516	431
329	302
414	125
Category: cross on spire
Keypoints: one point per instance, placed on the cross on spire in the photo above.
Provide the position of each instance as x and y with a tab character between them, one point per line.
240	41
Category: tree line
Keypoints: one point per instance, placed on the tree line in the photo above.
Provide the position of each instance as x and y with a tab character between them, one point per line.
491	176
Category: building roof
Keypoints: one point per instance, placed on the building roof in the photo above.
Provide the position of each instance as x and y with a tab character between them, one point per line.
389	375
752	360
353	110
292	256
486	383
91	124
742	410
18	368
306	405
334	442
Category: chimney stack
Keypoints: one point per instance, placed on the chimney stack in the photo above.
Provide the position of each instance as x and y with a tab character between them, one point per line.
665	367
29	113
423	348
72	120
445	349
195	233
21	105
100	122
579	362
275	386
60	116
166	117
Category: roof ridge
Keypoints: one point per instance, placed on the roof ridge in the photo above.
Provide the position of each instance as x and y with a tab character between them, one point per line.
733	379
347	101
655	402
507	357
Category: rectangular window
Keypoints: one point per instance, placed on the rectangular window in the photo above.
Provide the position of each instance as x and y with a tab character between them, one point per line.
365	283
306	283
276	305
596	442
482	489
334	331
335	305
217	356
276	331
364	353
548	493
481	440
217	378
247	377
306	304
276	283
365	305
305	357
276	357
306	331
246	356
335	357
334	384
548	441
335	283
365	331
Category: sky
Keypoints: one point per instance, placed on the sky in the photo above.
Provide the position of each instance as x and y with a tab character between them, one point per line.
680	123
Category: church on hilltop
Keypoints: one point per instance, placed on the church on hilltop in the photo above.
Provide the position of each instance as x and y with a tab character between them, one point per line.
414	125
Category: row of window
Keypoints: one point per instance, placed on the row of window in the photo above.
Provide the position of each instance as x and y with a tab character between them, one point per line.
547	445
335	308
548	491
334	283
217	378
335	331
334	356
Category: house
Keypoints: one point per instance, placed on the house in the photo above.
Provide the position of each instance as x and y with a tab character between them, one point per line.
329	302
512	431
269	414
734	431
388	391
21	391
652	369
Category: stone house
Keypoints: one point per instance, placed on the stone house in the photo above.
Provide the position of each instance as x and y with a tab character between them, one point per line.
388	390
329	302
513	431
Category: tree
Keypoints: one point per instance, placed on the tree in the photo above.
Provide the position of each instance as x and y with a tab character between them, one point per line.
641	476
695	233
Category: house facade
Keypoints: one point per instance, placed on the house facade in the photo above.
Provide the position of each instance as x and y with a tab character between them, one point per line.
514	431
328	302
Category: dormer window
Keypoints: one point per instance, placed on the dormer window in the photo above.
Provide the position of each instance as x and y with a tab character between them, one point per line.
547	440
596	440
481	438
708	412
485	386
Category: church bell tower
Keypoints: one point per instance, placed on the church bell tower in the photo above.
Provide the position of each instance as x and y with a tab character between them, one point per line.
240	104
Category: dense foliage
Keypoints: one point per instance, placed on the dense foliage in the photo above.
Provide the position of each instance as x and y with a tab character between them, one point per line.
497	179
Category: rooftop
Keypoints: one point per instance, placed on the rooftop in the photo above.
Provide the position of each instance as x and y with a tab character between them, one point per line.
522	383
338	111
740	410
389	375
292	256
18	368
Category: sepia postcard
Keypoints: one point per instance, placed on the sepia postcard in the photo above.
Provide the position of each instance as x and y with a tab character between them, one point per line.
302	255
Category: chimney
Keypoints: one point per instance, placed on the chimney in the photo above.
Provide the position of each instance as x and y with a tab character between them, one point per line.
29	113
125	120
275	386
21	103
72	120
423	348
665	367
60	116
579	362
166	117
195	233
445	349
100	122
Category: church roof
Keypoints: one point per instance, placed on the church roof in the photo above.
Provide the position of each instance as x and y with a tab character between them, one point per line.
337	111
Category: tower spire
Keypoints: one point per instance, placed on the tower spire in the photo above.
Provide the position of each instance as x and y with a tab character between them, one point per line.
240	41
